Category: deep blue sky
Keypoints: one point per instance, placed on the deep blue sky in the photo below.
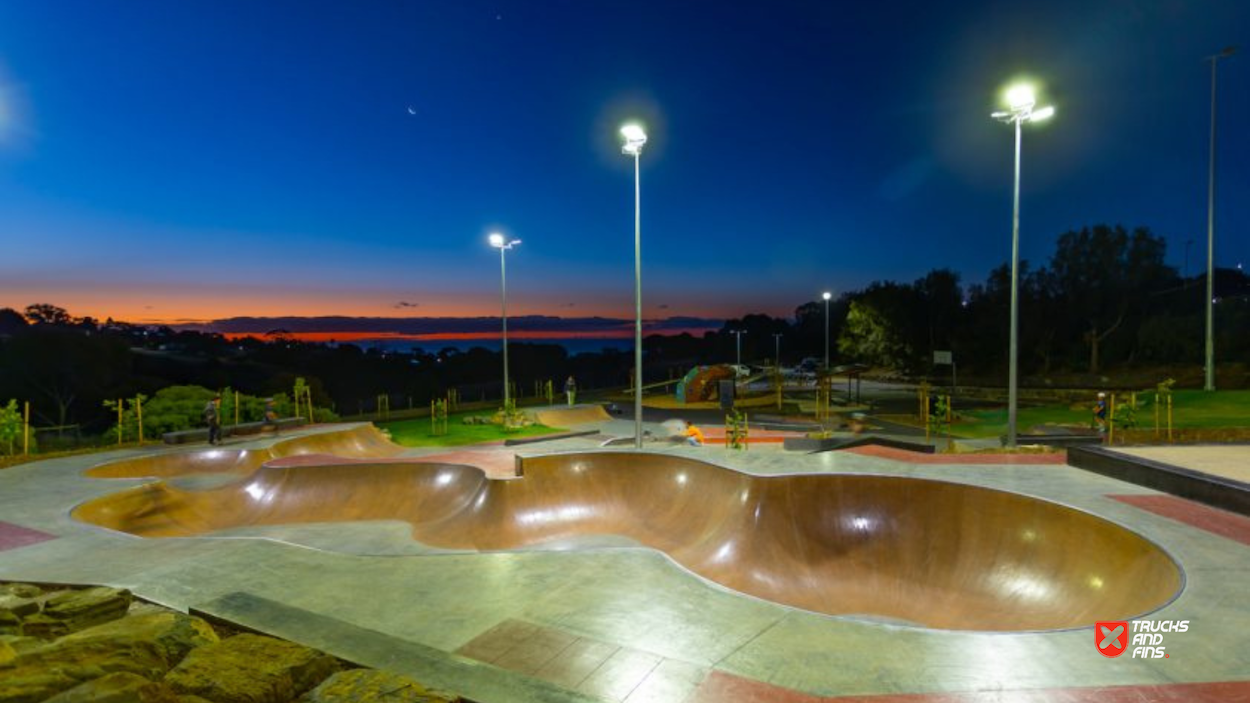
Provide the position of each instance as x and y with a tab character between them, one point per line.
198	159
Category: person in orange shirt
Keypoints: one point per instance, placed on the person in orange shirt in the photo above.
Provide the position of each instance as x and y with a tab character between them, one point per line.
693	435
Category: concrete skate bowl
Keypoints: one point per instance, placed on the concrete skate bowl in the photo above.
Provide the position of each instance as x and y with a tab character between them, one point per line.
362	441
899	550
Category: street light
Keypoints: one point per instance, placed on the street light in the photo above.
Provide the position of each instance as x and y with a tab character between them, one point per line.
498	241
826	295
738	334
634	139
1021	102
1209	384
777	353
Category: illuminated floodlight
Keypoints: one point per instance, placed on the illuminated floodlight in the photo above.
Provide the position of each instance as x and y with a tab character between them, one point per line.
634	139
1021	100
826	295
1021	96
498	241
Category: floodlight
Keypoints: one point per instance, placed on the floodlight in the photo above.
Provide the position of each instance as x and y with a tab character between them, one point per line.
634	139
1021	96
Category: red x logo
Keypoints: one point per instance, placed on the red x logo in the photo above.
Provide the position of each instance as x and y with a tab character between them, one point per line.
1111	638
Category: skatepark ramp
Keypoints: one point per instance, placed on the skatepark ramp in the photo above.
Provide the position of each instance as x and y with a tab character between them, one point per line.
572	415
901	550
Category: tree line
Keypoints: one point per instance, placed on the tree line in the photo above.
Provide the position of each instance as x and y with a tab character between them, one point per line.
1106	298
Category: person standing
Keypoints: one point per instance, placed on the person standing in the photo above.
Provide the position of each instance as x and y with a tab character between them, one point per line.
1100	412
570	389
271	415
212	416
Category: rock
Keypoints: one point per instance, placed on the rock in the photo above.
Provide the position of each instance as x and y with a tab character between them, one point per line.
147	645
40	625
251	669
88	607
121	687
362	685
10	624
30	685
18	605
21	590
19	644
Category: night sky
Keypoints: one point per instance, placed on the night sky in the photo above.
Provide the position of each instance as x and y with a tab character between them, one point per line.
189	160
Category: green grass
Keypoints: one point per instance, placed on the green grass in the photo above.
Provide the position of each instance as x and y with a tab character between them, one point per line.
1190	409
417	432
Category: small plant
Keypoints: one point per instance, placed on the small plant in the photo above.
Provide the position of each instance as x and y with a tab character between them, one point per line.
11	427
509	418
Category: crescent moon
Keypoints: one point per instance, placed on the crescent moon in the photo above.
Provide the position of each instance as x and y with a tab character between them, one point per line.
411	111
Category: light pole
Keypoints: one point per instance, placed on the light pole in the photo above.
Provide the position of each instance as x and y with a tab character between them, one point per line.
1020	102
826	295
738	345
498	241
777	350
634	139
1209	384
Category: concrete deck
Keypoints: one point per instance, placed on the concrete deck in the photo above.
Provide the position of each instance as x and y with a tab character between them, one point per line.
601	619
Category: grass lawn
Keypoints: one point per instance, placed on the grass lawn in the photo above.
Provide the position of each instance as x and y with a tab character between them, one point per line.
417	432
1190	409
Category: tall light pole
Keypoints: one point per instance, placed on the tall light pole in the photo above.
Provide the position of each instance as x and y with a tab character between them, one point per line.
738	343
1209	384
503	244
826	295
634	139
777	350
1020	102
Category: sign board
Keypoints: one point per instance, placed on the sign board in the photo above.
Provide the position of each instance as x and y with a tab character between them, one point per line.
943	357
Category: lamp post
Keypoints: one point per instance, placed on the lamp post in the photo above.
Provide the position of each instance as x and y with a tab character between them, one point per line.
826	295
1020	102
503	244
635	137
738	345
777	350
1209	383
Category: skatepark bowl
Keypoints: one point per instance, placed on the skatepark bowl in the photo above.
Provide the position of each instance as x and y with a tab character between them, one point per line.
898	550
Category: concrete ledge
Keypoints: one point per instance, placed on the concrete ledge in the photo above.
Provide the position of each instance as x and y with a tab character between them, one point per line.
827	444
547	437
1216	491
1058	439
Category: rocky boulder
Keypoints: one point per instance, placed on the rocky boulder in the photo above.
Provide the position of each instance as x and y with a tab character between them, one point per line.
251	669
146	645
369	685
117	688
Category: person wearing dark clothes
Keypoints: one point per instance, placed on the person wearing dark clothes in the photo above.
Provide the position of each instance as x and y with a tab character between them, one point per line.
212	417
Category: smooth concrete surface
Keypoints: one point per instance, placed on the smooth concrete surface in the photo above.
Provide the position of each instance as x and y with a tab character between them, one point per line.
1226	460
909	550
368	576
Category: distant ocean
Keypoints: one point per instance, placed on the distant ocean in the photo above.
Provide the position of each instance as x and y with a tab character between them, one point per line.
573	345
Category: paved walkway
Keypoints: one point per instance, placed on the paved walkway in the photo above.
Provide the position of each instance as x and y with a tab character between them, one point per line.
607	621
